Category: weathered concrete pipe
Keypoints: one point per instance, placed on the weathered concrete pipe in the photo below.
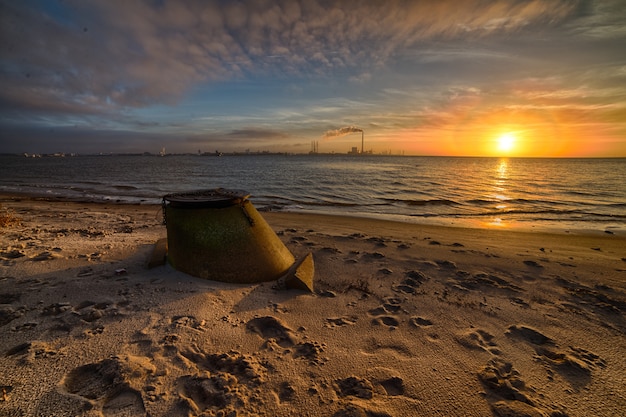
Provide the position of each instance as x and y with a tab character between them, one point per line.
219	235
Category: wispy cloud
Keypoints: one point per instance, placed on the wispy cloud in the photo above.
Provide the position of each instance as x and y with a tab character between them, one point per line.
285	70
139	53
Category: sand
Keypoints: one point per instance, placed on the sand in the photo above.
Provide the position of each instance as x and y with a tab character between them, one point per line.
405	320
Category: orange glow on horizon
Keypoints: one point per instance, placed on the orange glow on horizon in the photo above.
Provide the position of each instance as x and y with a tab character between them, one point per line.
504	133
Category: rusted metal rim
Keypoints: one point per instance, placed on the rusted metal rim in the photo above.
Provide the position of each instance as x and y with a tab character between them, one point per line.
218	197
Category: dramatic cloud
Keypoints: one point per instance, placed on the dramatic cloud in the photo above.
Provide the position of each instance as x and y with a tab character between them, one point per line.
93	54
210	67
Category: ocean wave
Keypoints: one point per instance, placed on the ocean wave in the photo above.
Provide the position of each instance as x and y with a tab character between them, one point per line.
125	187
427	202
572	215
442	187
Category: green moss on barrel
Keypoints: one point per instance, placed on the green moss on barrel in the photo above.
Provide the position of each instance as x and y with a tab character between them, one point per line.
231	243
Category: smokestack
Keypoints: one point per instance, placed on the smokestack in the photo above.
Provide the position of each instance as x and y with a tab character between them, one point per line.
362	140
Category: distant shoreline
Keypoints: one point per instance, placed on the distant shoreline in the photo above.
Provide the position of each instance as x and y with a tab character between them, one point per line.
291	154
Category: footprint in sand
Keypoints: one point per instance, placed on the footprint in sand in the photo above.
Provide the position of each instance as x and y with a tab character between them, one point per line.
91	311
234	364
109	382
124	403
445	264
420	322
413	280
24	327
355	387
393	386
575	364
340	321
378	241
269	327
310	351
373	256
31	351
482	282
56	309
353	410
388	321
391	305
533	264
8	313
385	313
478	339
189	322
385	346
286	392
508	394
528	334
228	382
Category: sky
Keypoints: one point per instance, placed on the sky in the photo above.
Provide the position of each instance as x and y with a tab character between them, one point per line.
537	78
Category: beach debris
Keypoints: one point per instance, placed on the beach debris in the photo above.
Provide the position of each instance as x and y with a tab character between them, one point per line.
219	235
121	271
159	254
5	392
300	275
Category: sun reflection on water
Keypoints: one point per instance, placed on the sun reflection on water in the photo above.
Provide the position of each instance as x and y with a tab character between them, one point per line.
500	191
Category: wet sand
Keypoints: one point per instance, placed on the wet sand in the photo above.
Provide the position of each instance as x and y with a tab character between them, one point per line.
405	320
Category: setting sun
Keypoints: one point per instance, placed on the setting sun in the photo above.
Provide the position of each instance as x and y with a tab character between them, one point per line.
506	142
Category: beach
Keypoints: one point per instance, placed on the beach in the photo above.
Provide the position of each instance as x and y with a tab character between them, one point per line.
405	320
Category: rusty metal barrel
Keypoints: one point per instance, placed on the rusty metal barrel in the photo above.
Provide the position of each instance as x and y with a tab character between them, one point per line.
219	235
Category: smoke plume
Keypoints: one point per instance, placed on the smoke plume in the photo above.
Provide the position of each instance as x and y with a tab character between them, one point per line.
341	132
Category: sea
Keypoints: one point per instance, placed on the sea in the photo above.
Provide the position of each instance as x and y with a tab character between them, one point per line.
516	193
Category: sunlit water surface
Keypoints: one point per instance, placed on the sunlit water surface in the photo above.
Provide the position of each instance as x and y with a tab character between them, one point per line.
564	194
